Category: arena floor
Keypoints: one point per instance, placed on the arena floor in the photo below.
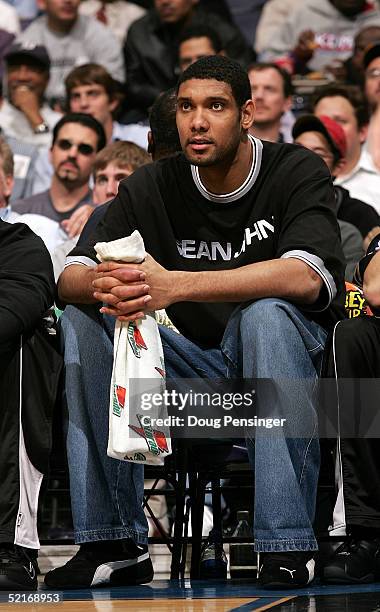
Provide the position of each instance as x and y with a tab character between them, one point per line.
212	597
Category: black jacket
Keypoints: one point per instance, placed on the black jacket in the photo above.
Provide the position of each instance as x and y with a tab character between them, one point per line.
150	53
27	283
356	212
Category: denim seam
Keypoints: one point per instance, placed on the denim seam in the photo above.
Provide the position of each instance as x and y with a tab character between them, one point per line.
305	456
117	496
116	533
315	348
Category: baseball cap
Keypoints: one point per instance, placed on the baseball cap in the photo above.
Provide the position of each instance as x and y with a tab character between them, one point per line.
36	52
371	52
330	129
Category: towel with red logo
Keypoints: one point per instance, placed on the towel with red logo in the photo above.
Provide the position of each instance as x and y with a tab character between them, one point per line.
138	374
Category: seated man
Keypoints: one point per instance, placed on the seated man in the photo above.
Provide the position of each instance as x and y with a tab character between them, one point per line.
27	292
150	49
272	90
76	139
326	138
113	164
196	42
244	253
90	89
72	39
24	115
353	359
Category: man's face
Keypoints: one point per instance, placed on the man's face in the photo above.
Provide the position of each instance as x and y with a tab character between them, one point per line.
72	162
315	141
209	122
92	100
372	83
65	11
350	8
267	89
6	184
107	182
342	111
193	49
172	11
28	74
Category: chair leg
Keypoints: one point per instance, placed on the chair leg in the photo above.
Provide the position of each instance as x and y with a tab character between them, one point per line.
216	495
197	510
181	468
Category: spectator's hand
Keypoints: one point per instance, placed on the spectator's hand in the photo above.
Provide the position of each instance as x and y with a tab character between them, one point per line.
305	47
77	221
127	299
27	101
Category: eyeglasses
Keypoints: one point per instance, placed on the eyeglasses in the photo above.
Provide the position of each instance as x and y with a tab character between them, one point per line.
84	149
373	73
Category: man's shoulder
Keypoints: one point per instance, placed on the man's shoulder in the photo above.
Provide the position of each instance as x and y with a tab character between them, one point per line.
144	24
25	205
33	30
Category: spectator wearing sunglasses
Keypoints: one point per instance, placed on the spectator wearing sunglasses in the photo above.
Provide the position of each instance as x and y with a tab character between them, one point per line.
77	138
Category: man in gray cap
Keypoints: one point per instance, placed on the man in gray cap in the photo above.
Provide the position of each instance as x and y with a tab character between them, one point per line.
23	114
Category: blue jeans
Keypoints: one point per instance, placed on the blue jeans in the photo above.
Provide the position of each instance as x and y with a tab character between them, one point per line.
269	338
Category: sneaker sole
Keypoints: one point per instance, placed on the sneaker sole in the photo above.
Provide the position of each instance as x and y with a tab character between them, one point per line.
283	585
142	573
116	573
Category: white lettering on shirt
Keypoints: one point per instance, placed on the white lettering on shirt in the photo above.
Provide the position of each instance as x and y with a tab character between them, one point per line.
213	251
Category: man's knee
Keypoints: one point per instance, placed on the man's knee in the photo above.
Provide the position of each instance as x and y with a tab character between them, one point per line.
266	316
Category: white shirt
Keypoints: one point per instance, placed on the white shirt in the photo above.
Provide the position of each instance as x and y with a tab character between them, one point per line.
120	14
9	20
15	124
363	182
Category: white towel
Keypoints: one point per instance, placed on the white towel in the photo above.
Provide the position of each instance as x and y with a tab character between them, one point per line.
138	372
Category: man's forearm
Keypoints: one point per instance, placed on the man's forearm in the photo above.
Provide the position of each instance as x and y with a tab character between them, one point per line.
283	278
75	285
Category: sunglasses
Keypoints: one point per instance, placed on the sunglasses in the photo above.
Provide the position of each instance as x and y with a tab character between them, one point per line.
84	149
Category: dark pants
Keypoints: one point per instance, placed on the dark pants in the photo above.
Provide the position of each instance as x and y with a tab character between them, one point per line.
29	375
353	358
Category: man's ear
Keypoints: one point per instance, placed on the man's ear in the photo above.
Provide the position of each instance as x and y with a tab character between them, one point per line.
113	104
247	114
41	5
9	183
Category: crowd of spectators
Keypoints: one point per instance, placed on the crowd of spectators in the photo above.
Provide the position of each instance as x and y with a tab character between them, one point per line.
88	98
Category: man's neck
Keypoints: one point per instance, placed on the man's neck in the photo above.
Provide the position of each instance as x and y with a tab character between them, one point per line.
108	128
60	27
266	131
64	196
229	176
350	164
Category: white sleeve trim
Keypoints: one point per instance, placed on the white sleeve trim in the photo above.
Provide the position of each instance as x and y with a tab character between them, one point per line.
319	267
73	260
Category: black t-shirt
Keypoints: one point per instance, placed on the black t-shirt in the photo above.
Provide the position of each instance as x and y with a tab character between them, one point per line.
284	208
